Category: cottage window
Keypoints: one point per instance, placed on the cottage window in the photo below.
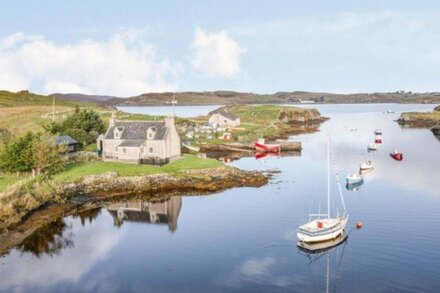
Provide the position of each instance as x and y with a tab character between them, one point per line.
123	150
150	135
116	149
150	150
116	134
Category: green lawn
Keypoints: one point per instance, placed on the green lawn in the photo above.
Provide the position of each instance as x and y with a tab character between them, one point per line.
76	171
6	179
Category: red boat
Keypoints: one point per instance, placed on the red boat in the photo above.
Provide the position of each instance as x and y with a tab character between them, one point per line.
378	139
397	155
263	147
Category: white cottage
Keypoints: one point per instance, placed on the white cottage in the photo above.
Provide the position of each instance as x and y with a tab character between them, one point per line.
224	119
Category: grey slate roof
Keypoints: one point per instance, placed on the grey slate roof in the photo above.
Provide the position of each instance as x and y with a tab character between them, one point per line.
65	139
137	130
131	143
228	115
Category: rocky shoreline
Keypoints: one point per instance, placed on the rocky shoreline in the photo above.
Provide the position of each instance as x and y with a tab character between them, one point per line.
429	120
96	190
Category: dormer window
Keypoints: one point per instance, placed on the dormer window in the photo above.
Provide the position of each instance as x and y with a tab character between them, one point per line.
118	132
151	132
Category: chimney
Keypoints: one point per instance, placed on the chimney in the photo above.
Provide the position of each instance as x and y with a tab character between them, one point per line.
169	121
111	121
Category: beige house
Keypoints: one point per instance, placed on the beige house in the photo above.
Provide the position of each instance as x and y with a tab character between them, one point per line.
224	119
140	141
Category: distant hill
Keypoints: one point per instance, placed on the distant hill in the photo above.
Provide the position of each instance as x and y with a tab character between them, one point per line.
105	100
25	98
231	97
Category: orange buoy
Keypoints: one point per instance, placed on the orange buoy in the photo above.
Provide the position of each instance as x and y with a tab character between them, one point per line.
359	225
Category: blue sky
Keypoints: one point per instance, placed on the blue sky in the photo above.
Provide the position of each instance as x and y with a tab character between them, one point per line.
126	48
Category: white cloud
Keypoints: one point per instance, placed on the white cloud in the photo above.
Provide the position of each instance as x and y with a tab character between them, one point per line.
216	54
124	65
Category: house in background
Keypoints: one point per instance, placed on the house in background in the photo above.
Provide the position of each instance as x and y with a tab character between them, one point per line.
149	142
72	145
224	119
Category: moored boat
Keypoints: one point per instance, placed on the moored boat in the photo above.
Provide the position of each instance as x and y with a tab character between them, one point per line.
378	139
378	131
262	146
354	178
324	229
396	155
372	147
366	166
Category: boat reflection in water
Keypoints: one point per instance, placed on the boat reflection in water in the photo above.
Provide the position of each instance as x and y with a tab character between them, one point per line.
315	251
152	212
322	247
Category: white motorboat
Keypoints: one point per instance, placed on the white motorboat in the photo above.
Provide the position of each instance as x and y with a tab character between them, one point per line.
378	131
355	178
372	147
327	228
366	166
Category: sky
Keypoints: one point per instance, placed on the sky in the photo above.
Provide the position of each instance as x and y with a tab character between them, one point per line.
125	48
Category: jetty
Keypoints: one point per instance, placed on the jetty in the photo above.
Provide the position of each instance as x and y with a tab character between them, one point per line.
248	147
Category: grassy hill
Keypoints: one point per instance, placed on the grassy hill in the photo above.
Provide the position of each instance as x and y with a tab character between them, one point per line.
231	97
23	111
24	98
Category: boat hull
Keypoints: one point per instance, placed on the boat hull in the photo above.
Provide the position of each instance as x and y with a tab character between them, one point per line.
267	148
351	181
397	157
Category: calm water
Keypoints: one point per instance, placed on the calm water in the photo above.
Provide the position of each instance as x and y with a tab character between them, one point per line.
181	111
244	240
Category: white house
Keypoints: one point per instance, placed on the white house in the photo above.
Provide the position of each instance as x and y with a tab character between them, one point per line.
140	141
224	119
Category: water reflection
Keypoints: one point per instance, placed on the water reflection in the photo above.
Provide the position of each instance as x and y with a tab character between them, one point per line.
49	239
155	212
332	248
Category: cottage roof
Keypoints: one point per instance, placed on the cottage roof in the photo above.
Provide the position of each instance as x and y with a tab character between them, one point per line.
65	139
132	143
137	130
228	115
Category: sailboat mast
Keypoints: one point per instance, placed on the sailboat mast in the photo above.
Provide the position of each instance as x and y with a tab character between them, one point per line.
328	177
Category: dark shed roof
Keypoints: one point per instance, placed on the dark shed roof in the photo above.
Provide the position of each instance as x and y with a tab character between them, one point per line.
65	139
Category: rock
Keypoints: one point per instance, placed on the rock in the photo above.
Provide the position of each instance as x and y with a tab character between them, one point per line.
437	108
436	131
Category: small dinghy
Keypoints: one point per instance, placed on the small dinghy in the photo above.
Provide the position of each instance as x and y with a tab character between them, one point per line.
378	131
372	147
354	179
396	155
366	166
378	139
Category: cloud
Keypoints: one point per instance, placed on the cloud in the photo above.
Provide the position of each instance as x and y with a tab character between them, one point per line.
123	65
216	54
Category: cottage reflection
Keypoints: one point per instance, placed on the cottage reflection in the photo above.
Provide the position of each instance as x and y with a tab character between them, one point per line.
157	212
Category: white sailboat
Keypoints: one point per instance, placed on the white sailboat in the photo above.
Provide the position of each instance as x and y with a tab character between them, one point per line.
324	229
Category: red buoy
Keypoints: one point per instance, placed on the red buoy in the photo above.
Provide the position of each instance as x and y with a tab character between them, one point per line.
359	225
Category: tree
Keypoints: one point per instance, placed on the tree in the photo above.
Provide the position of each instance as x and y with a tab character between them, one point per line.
83	126
44	155
14	157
